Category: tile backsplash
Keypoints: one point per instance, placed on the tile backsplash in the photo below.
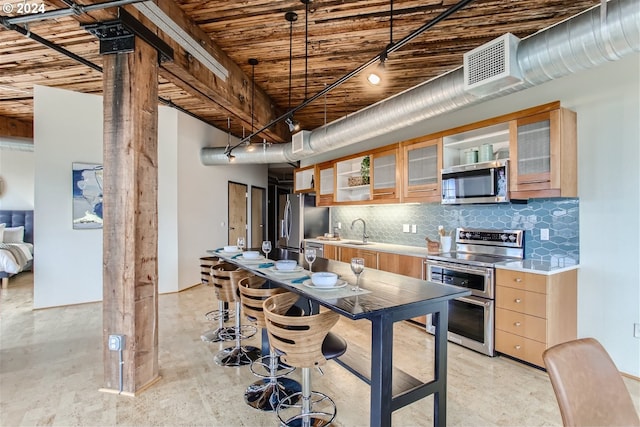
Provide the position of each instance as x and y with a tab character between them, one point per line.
385	224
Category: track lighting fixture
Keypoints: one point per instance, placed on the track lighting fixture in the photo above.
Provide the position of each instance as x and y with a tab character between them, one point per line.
375	76
294	125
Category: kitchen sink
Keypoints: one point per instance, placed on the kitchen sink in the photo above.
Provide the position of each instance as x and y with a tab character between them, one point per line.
356	242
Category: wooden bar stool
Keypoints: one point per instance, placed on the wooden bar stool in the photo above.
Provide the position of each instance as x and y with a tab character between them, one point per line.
303	342
222	313
265	394
225	279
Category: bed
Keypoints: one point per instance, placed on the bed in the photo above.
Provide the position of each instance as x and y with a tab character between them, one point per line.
16	243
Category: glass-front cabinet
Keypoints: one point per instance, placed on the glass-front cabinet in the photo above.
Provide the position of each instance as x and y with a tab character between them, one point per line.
304	179
422	162
543	155
325	179
384	175
353	179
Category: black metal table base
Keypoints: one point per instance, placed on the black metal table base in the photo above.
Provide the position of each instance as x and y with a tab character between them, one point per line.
267	395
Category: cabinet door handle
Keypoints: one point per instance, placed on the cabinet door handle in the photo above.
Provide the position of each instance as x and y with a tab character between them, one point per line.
516	324
423	190
534	181
384	194
517	347
517	279
517	300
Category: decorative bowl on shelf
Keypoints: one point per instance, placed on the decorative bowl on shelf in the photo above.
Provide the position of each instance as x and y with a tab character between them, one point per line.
251	254
324	279
286	264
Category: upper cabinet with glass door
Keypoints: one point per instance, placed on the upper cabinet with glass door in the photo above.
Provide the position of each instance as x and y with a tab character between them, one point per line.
421	165
385	180
543	153
325	184
304	179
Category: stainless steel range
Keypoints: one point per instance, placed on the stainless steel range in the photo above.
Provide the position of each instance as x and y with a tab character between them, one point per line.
472	265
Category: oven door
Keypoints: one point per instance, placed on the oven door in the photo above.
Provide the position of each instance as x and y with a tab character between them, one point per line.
471	322
479	280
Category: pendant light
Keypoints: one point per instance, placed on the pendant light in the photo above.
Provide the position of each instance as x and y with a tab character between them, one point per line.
291	17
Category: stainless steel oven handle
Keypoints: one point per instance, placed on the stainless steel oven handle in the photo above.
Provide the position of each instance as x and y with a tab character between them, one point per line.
475	301
462	268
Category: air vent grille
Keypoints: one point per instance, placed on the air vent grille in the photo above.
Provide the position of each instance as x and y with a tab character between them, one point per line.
298	141
492	66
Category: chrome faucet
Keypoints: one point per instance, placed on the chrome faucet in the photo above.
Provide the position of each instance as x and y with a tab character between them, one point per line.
364	229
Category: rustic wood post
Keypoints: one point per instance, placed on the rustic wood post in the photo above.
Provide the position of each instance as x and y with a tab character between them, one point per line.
130	233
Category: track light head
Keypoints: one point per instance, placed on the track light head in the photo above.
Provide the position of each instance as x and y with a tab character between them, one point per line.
294	125
375	76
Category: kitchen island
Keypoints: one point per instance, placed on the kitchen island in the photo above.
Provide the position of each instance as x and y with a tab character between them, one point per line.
385	298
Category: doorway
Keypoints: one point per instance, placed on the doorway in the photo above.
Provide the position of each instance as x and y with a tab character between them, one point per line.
237	213
258	216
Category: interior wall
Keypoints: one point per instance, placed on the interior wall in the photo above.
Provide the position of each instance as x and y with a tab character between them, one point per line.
192	198
16	174
68	262
202	197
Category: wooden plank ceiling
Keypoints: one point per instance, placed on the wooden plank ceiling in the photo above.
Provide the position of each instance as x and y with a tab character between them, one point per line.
341	35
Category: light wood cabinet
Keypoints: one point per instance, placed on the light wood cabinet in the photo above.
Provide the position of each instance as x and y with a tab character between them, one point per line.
385	179
407	266
370	257
401	264
421	165
534	312
325	184
330	252
304	179
543	154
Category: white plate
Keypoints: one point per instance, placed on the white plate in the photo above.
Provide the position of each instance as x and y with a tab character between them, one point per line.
259	259
339	284
296	269
225	252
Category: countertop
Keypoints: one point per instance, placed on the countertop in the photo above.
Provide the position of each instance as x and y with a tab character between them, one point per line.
535	266
379	247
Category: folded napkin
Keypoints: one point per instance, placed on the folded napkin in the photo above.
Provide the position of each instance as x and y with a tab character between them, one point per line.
300	279
236	256
266	265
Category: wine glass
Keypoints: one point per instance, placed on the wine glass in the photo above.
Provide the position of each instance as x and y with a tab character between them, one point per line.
357	266
310	256
240	243
266	248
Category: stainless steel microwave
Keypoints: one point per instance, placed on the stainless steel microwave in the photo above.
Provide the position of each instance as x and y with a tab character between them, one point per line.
486	182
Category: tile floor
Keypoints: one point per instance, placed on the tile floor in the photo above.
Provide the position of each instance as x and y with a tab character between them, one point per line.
51	370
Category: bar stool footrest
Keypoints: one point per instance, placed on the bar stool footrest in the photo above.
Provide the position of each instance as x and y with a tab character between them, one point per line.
263	363
323	410
245	331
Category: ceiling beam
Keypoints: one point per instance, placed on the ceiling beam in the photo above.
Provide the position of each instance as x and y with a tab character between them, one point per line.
15	128
232	95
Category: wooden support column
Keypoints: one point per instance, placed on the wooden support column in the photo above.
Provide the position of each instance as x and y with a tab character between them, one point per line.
130	234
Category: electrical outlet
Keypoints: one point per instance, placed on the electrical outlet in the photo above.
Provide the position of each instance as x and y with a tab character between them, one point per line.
405	228
544	234
414	228
116	342
636	330
339	226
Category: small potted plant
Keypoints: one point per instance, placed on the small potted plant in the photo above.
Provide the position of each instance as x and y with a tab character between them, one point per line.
364	170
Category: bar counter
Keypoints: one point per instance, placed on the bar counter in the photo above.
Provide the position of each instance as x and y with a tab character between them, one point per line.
385	298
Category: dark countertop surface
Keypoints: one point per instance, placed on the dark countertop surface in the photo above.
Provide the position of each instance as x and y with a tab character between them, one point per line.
386	293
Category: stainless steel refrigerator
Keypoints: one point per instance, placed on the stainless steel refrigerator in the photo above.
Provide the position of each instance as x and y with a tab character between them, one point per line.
300	219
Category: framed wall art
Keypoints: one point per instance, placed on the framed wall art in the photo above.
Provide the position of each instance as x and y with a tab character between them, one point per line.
87	195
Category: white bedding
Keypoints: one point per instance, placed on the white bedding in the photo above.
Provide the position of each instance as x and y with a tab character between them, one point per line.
8	263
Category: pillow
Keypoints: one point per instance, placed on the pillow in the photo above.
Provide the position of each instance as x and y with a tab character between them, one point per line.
13	234
2	226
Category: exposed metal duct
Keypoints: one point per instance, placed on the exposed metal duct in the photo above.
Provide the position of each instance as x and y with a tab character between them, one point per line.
582	42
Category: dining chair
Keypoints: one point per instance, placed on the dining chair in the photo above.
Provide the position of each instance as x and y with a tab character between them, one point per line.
588	386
